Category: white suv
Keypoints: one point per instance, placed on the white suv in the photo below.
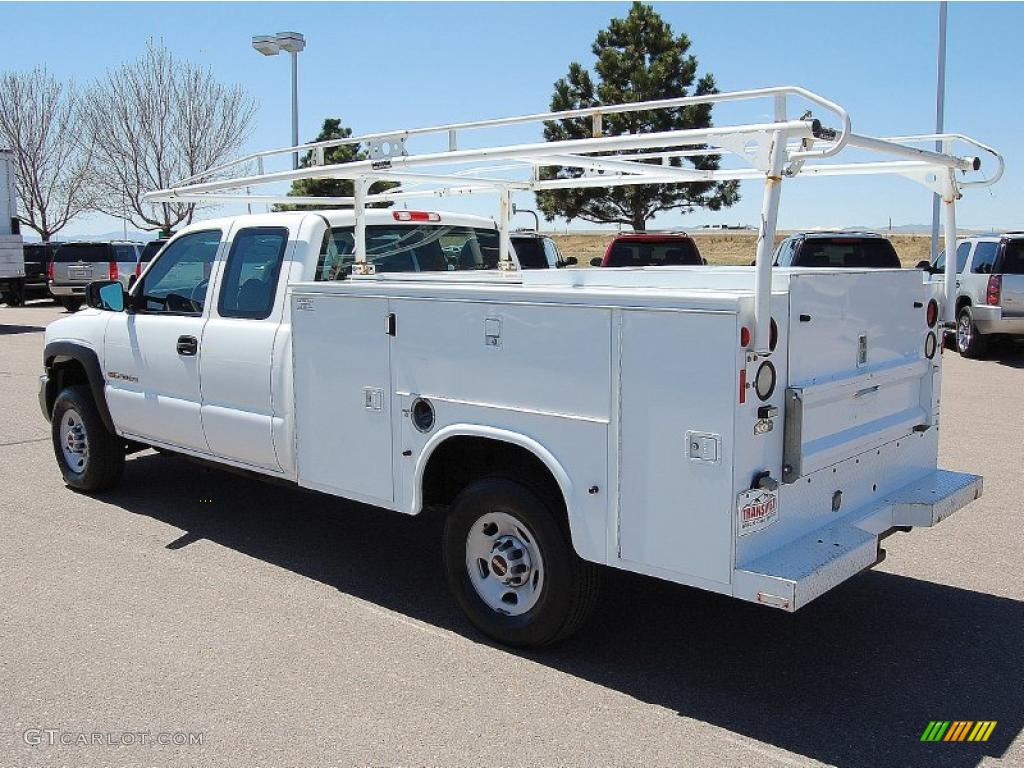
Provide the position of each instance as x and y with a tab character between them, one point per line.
990	289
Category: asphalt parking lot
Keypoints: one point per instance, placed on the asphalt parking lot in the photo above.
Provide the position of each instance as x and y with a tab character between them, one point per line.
295	629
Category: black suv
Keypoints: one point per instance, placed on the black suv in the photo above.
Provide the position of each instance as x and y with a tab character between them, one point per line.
35	283
837	250
537	251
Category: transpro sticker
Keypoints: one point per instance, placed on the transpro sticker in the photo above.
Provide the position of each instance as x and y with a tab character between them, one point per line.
758	508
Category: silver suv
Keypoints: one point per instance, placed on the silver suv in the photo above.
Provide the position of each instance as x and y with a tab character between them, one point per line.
77	264
990	289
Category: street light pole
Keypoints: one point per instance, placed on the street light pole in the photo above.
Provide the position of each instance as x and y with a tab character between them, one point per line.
293	43
295	107
940	110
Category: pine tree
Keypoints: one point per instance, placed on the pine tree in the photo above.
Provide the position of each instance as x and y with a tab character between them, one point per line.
343	153
639	58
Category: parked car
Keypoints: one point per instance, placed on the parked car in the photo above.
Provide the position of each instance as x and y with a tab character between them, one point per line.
650	249
990	289
77	264
537	251
837	250
35	284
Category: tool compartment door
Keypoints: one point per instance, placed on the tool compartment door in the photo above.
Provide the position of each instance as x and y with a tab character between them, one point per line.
678	378
858	375
343	396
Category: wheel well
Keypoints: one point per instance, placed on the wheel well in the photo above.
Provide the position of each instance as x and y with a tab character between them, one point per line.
459	461
64	372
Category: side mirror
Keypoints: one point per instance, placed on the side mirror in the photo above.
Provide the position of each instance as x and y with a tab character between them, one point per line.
570	261
107	295
925	265
596	261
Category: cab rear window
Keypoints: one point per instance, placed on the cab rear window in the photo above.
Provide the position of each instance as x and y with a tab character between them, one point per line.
653	254
422	248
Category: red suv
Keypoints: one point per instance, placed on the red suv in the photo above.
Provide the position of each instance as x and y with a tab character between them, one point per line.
651	250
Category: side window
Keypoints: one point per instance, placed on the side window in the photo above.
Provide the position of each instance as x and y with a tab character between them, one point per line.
984	257
177	281
554	258
251	272
962	252
784	254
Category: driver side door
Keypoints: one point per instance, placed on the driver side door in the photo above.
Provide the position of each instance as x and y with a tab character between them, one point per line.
152	355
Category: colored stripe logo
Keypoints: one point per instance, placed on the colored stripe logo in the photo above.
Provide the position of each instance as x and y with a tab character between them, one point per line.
958	730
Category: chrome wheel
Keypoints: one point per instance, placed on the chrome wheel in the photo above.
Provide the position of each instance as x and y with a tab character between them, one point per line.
74	441
964	332
504	563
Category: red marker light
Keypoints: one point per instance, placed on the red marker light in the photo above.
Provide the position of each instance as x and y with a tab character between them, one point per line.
416	216
932	313
744	337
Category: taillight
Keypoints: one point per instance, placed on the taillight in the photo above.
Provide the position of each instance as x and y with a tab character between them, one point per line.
416	216
49	271
995	287
932	313
138	269
113	270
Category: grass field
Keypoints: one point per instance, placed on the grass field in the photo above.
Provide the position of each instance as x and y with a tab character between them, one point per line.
734	248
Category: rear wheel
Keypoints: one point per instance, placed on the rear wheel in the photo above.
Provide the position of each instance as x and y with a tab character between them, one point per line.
511	566
71	305
15	295
969	342
90	457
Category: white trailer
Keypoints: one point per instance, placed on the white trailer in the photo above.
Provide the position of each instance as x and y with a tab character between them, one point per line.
12	252
748	431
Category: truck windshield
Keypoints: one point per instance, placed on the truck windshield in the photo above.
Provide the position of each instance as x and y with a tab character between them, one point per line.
639	253
848	253
1013	258
530	252
420	248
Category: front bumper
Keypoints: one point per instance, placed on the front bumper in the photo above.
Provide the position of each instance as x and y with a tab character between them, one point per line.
795	574
44	383
989	319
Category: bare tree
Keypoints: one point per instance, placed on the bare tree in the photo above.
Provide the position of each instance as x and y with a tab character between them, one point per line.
155	121
40	122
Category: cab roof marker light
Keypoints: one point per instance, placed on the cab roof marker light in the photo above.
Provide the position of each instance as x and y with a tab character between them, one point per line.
416	216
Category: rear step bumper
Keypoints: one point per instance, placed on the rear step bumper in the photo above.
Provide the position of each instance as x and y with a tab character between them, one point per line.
793	575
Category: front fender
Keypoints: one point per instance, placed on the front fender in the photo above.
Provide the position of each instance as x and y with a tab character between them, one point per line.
60	351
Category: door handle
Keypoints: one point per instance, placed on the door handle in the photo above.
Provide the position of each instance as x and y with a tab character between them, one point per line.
188	346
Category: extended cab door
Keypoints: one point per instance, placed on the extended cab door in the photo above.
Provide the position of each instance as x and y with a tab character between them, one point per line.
238	347
152	355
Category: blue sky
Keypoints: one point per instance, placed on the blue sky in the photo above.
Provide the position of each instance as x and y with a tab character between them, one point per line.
384	66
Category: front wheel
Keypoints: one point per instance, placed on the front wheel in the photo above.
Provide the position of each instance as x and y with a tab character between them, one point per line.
512	568
969	342
15	296
90	458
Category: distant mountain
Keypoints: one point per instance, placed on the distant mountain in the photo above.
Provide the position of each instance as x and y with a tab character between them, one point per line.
118	234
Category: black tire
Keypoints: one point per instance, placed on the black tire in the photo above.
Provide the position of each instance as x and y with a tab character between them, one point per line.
71	305
969	342
104	457
568	591
15	295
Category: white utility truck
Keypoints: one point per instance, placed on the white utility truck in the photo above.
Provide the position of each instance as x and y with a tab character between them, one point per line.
12	253
750	431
